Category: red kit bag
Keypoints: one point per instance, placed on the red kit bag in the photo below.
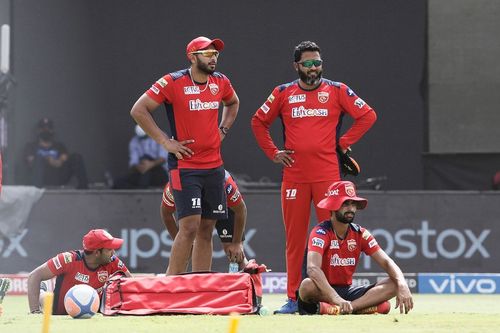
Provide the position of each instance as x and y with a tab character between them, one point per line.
194	293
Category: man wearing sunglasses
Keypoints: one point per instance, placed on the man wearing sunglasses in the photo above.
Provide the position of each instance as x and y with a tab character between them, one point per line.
192	98
311	109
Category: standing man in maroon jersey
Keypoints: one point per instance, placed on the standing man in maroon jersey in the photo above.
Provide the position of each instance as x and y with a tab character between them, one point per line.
311	109
192	98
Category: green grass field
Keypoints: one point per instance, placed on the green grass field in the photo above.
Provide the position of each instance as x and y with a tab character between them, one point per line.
432	313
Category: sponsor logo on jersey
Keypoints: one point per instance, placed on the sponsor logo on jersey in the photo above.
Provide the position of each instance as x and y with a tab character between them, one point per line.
323	96
366	234
335	260
56	262
197	105
359	103
334	244
235	196
302	112
102	276
264	108
296	99
350	92
318	242
350	191
270	99
155	89
321	231
332	192
372	243
191	90
229	188
82	277
67	257
351	245
214	88
220	209
162	82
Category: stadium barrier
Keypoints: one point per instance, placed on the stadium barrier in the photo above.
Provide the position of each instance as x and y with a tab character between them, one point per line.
422	231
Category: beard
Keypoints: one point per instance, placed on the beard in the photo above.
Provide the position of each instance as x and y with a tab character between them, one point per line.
204	68
344	218
312	78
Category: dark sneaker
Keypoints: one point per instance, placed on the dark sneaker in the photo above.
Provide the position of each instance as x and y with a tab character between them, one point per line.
4	286
290	307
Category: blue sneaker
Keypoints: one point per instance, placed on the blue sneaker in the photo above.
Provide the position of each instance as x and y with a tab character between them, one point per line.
290	307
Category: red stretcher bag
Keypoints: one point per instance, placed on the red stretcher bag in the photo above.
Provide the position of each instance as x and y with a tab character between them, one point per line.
195	293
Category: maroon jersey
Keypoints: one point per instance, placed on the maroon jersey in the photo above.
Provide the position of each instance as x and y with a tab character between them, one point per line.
232	192
311	121
193	111
340	256
71	269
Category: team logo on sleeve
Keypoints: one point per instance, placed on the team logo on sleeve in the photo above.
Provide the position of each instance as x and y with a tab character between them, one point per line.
264	108
214	88
350	92
351	245
366	234
102	276
229	188
67	257
359	103
120	264
56	262
162	82
270	99
155	89
323	96
372	243
235	196
318	242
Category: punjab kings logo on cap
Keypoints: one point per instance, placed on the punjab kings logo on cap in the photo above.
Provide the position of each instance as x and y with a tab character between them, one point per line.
323	96
350	191
214	88
102	276
351	245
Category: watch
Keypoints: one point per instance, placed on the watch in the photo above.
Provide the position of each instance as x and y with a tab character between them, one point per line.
224	130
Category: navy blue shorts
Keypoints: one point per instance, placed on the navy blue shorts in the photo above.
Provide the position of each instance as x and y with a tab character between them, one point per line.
225	228
351	293
201	193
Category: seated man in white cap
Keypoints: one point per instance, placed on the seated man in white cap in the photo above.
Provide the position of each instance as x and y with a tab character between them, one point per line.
92	266
333	253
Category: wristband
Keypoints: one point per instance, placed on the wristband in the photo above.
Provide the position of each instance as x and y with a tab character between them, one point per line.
224	130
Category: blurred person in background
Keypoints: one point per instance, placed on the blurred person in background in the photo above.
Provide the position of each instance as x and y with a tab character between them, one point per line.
48	163
333	253
92	265
147	163
311	110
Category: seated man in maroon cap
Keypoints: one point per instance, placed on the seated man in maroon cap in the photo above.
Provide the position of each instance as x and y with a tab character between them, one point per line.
192	98
333	253
92	265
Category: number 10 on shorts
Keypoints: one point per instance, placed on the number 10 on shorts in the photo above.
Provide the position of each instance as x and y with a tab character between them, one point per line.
291	193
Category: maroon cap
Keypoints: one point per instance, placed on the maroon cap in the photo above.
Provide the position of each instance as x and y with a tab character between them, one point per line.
339	192
201	43
100	239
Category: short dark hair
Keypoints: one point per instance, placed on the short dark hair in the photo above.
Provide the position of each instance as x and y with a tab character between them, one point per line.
303	47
